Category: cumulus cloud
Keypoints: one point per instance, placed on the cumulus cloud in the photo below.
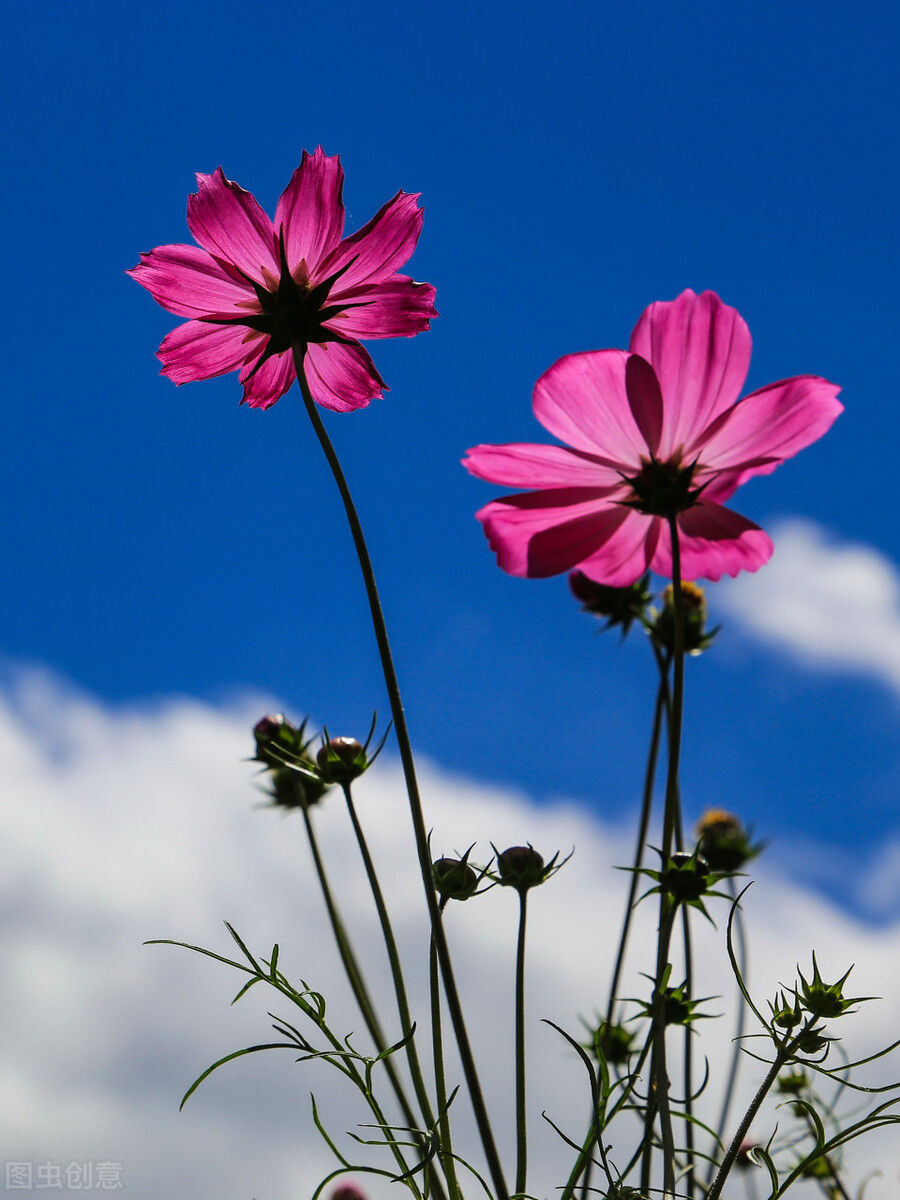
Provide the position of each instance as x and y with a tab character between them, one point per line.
123	824
832	603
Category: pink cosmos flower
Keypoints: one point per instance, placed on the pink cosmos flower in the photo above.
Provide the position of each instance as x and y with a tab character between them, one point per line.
652	432
253	288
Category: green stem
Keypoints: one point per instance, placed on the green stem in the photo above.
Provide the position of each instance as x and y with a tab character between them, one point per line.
785	1051
440	1083
690	1180
521	1117
390	942
412	788
354	974
740	1023
585	1160
671	821
643	826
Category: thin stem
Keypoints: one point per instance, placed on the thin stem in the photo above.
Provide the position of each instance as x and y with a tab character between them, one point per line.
585	1160
412	788
834	1179
390	942
690	1180
671	820
740	1022
643	826
440	1083
521	1119
354	974
785	1051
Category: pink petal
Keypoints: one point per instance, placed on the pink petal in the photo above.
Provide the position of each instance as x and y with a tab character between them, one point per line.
263	387
645	399
582	400
398	308
700	350
768	426
188	281
537	534
379	248
342	377
714	541
196	350
627	554
536	466
228	222
311	210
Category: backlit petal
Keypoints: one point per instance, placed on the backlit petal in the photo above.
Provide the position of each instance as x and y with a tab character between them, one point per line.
582	400
311	210
768	426
229	223
700	350
381	247
536	466
627	554
196	350
188	281
263	387
537	534
342	377
714	542
398	308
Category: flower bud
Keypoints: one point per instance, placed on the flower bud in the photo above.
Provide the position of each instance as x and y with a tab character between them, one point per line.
274	736
693	607
724	842
620	605
348	1191
520	867
685	877
454	879
341	760
744	1162
612	1043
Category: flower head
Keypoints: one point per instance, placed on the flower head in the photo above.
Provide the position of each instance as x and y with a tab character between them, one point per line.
653	434
254	290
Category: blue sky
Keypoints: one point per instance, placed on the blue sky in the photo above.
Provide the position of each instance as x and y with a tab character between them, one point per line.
577	161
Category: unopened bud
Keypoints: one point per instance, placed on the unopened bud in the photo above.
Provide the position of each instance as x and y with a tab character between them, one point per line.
520	867
454	879
341	760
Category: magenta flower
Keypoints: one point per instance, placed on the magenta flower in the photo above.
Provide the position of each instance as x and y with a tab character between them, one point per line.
653	432
254	289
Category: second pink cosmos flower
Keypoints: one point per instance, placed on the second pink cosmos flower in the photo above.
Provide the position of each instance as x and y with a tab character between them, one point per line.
652	432
253	289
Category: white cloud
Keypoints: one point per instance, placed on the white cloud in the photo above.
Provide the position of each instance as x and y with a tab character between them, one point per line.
836	604
126	824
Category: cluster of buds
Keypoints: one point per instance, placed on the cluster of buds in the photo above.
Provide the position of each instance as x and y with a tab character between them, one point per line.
724	842
298	778
622	606
813	1000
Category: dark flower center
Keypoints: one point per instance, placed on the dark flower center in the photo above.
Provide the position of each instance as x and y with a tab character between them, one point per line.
295	312
662	489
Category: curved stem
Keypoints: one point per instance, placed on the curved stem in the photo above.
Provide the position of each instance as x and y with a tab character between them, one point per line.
412	788
740	1023
521	1117
354	974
